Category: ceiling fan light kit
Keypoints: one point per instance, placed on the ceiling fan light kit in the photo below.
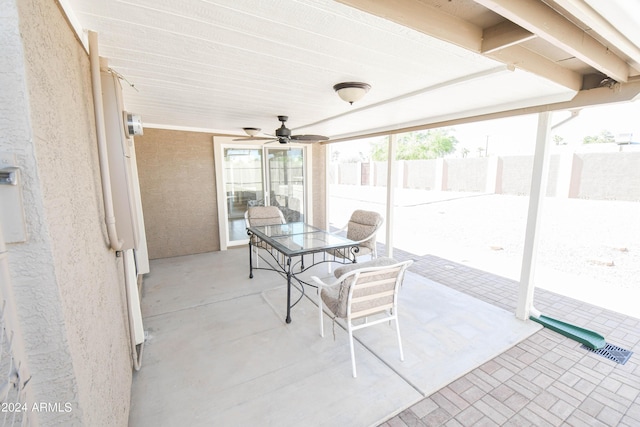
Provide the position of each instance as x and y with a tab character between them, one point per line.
351	91
282	135
251	131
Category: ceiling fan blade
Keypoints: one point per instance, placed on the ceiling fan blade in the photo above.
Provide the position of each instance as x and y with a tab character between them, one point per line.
309	138
255	138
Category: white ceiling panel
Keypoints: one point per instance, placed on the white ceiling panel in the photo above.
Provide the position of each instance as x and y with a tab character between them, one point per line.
226	64
518	89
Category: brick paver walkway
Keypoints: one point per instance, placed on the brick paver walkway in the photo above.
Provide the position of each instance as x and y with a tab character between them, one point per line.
546	380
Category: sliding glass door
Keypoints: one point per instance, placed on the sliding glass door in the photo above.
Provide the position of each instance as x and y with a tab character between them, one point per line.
285	169
256	175
244	186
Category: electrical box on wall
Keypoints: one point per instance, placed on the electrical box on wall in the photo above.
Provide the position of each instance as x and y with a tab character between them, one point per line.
119	147
11	207
132	124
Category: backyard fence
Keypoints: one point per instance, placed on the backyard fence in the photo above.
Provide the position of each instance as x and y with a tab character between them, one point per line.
599	176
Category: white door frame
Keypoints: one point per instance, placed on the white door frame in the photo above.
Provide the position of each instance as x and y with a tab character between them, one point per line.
219	144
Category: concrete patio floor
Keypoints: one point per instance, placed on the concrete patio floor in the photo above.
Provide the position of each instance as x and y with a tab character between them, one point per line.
219	352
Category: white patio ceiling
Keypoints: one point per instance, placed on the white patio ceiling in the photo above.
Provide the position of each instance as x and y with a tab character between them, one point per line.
222	65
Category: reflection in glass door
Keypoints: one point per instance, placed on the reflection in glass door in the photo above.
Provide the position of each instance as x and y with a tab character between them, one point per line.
285	169
243	186
256	175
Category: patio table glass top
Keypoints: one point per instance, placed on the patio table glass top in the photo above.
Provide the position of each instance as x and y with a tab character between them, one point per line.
298	238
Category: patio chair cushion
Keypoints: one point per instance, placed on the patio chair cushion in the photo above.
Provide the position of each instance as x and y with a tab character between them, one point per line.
264	215
378	262
363	224
336	298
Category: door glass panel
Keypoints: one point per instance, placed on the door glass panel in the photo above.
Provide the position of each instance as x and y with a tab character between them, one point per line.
243	186
286	181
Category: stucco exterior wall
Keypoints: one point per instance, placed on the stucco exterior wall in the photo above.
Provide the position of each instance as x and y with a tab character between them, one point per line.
178	189
319	185
68	284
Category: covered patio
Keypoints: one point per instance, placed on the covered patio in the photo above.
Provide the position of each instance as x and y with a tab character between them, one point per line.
219	351
98	208
251	368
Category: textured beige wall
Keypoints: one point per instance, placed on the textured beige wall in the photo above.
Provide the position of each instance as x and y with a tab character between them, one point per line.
178	188
319	178
68	284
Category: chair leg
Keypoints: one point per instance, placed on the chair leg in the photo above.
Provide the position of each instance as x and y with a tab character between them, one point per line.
353	356
399	340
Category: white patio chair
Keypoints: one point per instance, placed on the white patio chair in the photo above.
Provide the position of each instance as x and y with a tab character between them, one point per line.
370	290
362	228
262	215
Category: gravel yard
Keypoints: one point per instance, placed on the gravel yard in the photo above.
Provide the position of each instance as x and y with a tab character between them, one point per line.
588	249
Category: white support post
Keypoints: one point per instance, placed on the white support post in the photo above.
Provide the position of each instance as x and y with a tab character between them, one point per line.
565	170
391	191
439	178
538	189
492	175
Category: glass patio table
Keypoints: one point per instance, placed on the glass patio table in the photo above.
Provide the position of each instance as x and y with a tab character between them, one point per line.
286	242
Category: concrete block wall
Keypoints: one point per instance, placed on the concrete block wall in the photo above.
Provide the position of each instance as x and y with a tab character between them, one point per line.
514	175
465	174
420	174
609	175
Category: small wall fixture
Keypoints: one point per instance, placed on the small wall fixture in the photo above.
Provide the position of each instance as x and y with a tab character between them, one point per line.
132	124
351	91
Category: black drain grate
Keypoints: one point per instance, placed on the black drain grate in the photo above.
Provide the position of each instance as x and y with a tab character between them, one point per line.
612	352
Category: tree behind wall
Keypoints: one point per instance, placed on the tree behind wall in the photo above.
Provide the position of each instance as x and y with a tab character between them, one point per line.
430	144
602	137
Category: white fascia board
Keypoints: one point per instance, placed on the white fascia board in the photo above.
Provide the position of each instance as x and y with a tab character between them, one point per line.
75	24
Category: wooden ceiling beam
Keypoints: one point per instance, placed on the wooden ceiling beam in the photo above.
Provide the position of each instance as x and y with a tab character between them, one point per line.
421	17
503	35
546	23
502	42
525	59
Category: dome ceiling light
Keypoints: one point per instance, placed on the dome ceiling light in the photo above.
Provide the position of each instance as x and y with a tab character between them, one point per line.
251	131
351	91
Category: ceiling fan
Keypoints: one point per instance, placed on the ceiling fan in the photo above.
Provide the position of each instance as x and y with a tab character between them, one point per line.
282	135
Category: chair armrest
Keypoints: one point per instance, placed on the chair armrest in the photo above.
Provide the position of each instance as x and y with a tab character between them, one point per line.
322	284
355	241
363	240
